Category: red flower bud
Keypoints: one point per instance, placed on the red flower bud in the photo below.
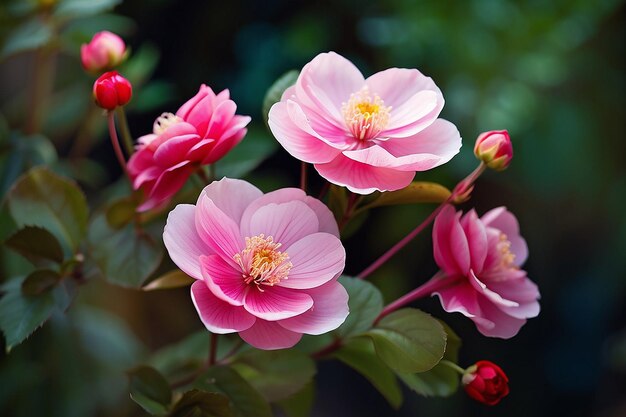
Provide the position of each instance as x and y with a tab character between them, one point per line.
486	382
494	148
112	90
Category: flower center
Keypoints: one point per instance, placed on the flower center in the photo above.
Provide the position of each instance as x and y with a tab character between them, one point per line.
163	122
507	257
262	263
366	116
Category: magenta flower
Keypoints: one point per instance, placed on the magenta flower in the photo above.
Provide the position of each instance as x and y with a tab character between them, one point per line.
481	259
365	134
266	265
201	132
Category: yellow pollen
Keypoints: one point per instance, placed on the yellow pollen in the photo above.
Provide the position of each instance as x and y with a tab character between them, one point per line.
504	246
163	122
262	263
365	116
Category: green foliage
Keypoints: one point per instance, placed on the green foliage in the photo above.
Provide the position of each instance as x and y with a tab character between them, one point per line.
365	303
276	90
442	380
126	256
300	403
275	374
21	314
247	155
40	281
37	245
414	193
42	198
245	400
72	9
30	35
150	390
409	340
196	403
359	354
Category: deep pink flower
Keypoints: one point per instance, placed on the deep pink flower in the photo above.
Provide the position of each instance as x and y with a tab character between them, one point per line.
486	382
365	134
481	259
111	90
105	51
494	148
201	132
266	265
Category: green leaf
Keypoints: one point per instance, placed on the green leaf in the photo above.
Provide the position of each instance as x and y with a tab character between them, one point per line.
266	370
300	403
365	303
359	354
32	34
442	380
21	314
172	279
150	389
409	340
141	64
154	95
246	156
275	92
37	245
42	198
246	401
337	201
121	212
196	403
416	192
72	9
126	256
40	281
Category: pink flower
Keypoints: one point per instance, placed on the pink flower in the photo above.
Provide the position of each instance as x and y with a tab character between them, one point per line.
105	51
481	259
365	134
201	132
494	148
266	265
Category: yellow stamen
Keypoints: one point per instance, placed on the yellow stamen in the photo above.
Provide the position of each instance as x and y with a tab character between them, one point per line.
163	122
262	263
366	116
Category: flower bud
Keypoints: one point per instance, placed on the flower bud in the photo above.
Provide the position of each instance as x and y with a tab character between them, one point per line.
112	90
486	382
105	51
494	149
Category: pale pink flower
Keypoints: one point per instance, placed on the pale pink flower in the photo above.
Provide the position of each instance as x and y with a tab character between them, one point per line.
105	51
201	132
365	134
481	258
266	265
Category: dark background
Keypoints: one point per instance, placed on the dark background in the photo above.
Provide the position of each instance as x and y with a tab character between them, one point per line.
551	72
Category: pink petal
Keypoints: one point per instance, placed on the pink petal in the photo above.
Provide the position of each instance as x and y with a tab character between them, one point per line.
416	114
504	326
217	315
200	150
269	336
289	126
362	178
492	296
316	259
521	290
398	85
441	141
223	193
147	175
325	217
329	311
502	219
477	239
185	109
221	118
285	222
224	281
451	249
178	129
175	149
140	161
462	298
223	146
217	230
168	184
328	81
377	156
182	241
275	303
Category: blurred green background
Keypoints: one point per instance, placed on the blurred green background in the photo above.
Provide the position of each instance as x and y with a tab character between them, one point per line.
551	72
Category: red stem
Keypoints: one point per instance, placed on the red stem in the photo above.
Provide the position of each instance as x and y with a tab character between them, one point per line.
116	144
303	177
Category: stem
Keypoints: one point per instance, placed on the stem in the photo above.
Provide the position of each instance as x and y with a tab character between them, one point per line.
438	281
453	365
125	131
352	203
303	176
211	173
116	144
202	174
335	345
212	350
463	187
324	190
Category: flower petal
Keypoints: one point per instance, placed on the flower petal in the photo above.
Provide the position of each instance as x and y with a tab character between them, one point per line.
224	281
168	184
316	259
377	156
476	238
185	109
285	222
276	303
329	311
217	315
362	178
175	149
182	241
269	336
222	194
398	85
504	325
462	298
451	249
217	230
502	219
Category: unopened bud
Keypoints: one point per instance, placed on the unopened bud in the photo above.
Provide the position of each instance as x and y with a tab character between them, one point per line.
494	148
104	52
112	90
